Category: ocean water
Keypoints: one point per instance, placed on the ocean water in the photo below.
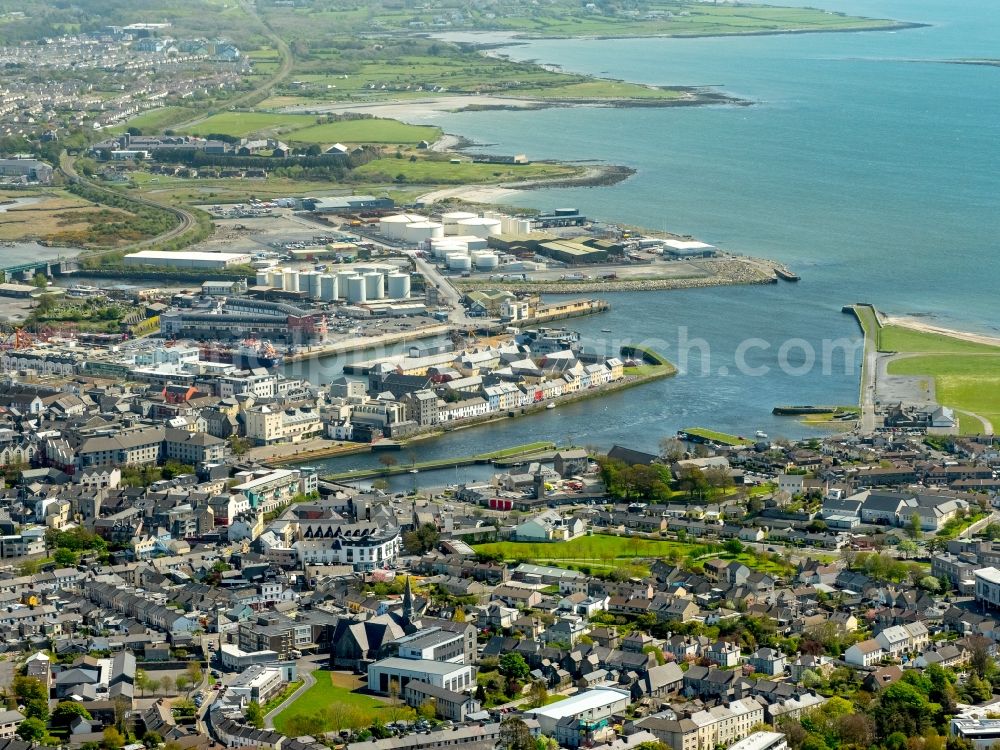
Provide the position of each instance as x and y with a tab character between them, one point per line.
866	163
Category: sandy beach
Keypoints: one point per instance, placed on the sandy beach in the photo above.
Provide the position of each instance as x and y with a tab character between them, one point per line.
917	324
423	108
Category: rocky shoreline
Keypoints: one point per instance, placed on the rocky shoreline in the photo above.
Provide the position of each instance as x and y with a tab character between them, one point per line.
728	272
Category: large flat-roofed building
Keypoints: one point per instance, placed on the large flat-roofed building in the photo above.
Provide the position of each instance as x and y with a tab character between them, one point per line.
988	586
192	259
762	741
347	203
393	674
982	733
582	716
688	249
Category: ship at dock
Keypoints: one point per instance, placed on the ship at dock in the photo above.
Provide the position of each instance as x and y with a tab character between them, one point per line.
250	354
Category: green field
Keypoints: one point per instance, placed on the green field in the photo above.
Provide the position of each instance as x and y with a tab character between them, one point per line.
307	128
968	382
899	339
444	172
607	552
333	703
966	373
159	119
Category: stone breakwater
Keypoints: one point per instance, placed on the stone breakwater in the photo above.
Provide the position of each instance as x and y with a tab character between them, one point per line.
724	272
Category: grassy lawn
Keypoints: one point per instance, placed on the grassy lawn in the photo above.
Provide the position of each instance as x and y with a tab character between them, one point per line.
366	131
441	172
306	128
156	120
900	339
717	437
969	382
334	703
607	552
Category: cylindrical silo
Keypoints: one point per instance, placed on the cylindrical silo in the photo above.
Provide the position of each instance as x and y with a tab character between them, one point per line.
480	227
374	286
459	262
356	289
451	218
485	261
342	277
399	285
421	231
263	278
275	278
328	287
290	280
309	283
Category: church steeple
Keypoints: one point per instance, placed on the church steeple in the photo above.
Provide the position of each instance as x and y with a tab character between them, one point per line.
408	601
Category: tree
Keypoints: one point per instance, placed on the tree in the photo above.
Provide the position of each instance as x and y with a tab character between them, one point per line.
514	667
913	529
31	729
65	558
387	461
515	735
33	695
254	715
979	655
538	694
66	711
902	707
930	583
422	540
671	449
113	739
733	546
152	739
167	684
40	280
194	672
907	547
182	682
427	709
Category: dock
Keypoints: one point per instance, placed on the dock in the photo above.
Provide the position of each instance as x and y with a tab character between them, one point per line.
783	273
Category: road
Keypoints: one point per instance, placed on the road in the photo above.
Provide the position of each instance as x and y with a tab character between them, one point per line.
306	667
253	96
186	219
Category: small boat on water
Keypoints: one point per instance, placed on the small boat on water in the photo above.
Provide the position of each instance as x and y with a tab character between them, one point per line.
414	471
551	405
605	330
760	434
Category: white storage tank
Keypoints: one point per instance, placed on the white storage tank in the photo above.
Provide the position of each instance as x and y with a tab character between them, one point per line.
309	283
443	251
471	242
328	287
263	278
459	262
275	278
451	218
356	289
393	226
480	227
342	277
374	286
290	280
399	285
485	261
422	231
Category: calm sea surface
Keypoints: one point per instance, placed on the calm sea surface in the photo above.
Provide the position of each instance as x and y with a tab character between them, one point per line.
866	163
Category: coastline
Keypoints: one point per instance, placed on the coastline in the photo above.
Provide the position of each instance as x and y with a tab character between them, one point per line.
429	107
593	176
731	272
916	324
